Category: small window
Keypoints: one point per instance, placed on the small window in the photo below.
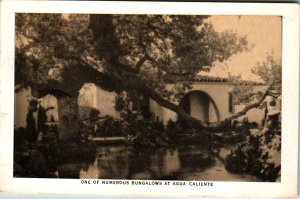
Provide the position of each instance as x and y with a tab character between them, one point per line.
230	102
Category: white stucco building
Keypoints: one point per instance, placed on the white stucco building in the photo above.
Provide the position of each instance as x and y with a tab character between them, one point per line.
89	97
210	100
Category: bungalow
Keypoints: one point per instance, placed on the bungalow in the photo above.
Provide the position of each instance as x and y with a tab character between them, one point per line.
209	100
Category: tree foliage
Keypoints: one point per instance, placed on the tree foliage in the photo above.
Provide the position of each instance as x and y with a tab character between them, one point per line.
162	49
154	55
244	92
269	73
51	49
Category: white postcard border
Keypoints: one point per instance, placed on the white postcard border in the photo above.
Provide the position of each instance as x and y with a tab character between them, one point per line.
290	68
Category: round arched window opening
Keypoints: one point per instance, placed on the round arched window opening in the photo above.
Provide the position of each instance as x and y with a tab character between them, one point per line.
201	106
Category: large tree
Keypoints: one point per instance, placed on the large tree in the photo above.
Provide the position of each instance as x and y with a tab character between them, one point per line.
56	54
147	52
49	59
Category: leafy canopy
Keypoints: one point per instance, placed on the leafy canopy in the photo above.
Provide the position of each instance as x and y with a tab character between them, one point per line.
51	49
270	74
162	49
156	49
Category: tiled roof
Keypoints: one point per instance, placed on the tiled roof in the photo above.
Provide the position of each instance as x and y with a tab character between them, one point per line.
204	78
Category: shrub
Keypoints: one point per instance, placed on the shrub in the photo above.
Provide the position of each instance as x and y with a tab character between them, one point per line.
258	155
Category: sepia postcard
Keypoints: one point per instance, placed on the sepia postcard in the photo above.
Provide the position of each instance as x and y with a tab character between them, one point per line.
149	98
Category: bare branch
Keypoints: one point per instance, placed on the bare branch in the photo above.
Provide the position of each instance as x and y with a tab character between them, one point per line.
249	107
248	96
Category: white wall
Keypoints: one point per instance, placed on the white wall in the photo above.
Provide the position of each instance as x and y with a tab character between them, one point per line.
156	111
257	115
105	103
90	96
22	99
212	114
253	115
50	101
168	115
94	97
219	92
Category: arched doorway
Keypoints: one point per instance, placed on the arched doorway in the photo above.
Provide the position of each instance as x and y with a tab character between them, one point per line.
201	106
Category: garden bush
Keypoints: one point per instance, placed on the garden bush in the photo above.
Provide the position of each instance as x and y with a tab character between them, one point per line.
259	155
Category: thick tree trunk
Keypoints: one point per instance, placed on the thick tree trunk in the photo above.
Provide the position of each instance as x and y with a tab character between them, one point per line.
68	118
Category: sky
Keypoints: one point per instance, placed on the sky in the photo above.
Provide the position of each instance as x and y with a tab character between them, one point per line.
264	36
